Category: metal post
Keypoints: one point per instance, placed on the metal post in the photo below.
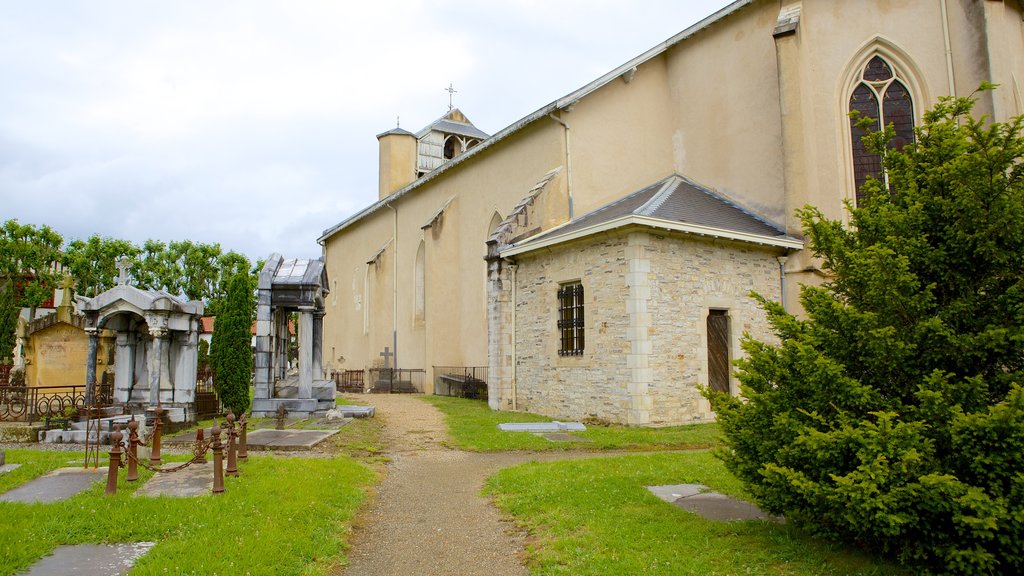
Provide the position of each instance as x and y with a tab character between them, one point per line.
133	450
154	455
218	461
243	451
232	433
115	460
200	454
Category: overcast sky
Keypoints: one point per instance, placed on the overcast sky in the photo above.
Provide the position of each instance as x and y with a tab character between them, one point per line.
252	123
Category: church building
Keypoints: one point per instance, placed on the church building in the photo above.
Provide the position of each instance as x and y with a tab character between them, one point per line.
597	256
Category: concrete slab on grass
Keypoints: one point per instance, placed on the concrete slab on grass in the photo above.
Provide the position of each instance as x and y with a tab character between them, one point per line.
268	439
8	468
58	485
91	560
555	426
196	480
698	499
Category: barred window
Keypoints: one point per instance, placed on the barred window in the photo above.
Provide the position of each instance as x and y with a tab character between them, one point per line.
570	319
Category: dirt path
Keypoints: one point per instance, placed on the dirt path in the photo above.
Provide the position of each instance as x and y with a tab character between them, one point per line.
429	517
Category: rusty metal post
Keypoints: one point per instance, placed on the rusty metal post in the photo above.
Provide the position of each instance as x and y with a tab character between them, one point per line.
115	460
200	455
154	455
218	460
232	455
133	450
243	450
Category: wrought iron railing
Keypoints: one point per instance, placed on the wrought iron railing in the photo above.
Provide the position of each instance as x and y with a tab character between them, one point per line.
349	380
395	380
33	403
461	381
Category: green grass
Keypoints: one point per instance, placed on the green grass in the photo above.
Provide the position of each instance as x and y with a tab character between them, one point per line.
596	516
474	427
282	516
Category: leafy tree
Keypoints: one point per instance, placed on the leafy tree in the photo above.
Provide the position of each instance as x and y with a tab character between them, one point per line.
29	259
9	311
93	262
892	414
230	352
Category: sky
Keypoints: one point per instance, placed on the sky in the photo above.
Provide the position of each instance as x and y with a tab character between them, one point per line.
253	123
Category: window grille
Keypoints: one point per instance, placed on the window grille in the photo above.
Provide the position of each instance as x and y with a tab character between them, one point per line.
570	319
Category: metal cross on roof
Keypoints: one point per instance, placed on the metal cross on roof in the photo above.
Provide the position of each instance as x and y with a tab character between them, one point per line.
451	91
123	264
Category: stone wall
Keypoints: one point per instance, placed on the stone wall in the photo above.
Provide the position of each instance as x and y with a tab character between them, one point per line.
647	298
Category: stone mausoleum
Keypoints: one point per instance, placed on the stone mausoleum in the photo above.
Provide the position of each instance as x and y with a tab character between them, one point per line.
287	287
156	349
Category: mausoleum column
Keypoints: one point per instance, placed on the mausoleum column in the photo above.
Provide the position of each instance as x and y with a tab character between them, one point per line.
318	345
305	352
123	364
156	361
90	365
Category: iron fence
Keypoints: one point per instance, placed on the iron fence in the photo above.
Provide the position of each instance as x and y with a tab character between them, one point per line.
33	403
461	381
395	380
349	380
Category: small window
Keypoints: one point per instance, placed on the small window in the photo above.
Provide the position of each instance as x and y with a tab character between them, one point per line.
570	319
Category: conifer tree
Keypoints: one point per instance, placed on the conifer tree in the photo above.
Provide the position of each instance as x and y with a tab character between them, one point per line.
230	351
892	414
9	311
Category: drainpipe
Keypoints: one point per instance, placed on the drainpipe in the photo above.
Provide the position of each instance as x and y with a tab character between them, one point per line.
568	161
512	269
949	50
394	291
782	279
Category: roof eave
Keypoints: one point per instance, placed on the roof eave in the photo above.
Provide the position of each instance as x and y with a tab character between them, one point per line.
529	245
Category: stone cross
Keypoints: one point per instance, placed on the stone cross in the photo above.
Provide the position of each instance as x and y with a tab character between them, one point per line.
123	264
387	354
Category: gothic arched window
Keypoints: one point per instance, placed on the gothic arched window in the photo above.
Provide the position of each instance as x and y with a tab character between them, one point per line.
879	83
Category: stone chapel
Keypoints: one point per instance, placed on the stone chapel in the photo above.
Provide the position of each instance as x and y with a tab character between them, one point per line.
597	255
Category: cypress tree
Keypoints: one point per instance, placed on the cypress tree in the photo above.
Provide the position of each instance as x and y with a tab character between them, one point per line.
8	323
231	352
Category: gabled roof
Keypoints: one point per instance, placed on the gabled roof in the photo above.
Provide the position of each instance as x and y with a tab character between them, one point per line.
563	102
450	124
674	203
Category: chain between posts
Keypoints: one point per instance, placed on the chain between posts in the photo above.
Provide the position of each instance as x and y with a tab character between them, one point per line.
129	448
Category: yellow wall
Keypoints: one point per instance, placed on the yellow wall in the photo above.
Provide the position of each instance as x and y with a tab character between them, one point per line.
759	119
56	356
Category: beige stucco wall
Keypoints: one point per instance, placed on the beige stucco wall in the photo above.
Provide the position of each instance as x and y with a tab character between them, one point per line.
639	343
759	119
453	331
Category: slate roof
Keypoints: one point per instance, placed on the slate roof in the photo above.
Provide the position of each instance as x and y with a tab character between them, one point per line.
452	127
300	271
675	200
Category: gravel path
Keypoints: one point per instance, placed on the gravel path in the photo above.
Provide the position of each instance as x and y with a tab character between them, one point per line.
428	516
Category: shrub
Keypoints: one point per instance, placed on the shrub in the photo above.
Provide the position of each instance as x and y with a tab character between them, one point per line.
891	414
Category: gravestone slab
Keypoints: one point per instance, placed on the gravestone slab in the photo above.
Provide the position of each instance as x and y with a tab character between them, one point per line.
196	480
287	439
57	485
2	457
357	411
698	499
554	426
8	468
91	560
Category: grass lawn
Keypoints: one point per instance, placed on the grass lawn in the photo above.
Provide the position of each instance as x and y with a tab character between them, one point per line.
596	517
282	516
473	426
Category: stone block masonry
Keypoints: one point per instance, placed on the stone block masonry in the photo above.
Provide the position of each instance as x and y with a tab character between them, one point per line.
647	297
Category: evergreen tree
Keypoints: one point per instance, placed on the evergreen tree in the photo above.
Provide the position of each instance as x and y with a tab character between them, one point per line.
230	351
892	414
9	311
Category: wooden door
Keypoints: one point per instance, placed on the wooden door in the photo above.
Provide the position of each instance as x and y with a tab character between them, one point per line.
718	351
